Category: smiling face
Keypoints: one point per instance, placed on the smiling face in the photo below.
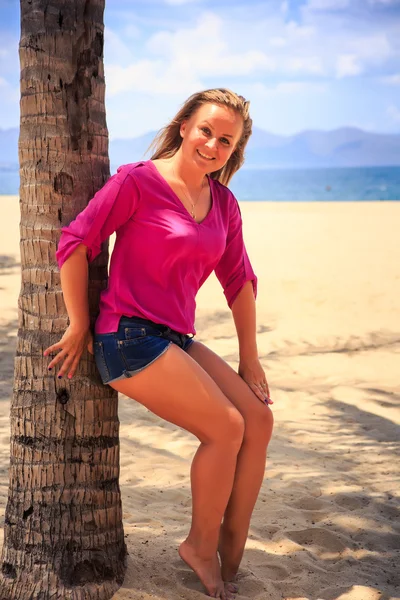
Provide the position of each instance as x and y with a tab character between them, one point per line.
210	136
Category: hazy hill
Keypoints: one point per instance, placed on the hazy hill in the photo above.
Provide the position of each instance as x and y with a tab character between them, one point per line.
344	147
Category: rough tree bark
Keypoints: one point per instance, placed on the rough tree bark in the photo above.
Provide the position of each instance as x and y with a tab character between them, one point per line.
63	525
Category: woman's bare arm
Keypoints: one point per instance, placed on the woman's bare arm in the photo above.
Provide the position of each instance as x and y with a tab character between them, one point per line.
74	284
250	368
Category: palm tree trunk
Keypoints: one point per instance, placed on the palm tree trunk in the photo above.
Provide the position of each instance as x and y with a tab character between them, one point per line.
63	534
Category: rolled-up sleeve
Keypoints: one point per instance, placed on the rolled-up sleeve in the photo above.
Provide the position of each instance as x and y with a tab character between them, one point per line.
234	267
110	208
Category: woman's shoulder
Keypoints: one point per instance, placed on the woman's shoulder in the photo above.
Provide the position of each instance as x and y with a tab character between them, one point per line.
223	190
228	198
131	168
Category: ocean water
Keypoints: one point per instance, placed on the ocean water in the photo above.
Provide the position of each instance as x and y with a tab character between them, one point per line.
280	185
338	184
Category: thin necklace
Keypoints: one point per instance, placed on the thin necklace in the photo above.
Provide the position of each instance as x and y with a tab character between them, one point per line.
192	212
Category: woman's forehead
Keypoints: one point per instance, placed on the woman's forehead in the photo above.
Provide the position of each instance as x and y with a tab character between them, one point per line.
215	113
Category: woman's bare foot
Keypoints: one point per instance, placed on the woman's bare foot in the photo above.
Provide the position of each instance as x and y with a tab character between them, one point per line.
231	586
230	580
208	571
229	569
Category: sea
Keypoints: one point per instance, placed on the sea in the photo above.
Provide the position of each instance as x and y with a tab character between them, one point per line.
360	184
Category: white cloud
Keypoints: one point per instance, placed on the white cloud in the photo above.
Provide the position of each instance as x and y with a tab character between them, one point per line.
203	49
327	4
9	92
278	42
284	7
391	79
286	88
394	113
347	65
167	53
362	53
309	64
115	49
9	62
373	49
131	31
182	60
177	60
298	32
285	62
150	77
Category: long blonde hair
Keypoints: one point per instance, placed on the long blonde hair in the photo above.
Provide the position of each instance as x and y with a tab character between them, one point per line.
168	140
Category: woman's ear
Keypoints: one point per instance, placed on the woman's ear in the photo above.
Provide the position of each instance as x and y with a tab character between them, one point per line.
182	129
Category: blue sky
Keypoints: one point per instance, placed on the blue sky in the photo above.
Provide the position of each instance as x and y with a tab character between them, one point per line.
303	64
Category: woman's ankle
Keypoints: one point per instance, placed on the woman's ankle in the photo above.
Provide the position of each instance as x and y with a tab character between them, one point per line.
204	546
231	548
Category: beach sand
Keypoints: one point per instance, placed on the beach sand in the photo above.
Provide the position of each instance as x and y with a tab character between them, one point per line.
326	525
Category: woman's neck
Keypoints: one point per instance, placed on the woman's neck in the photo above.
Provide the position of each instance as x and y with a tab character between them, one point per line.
190	174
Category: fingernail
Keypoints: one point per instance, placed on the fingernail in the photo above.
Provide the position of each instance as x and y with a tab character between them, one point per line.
50	368
44	353
69	376
60	377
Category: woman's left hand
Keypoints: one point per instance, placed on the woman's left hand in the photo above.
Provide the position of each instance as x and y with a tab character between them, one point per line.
253	374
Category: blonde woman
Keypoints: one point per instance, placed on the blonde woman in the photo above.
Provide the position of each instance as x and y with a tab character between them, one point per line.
176	222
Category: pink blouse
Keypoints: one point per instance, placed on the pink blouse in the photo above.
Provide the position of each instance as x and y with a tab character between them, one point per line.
162	256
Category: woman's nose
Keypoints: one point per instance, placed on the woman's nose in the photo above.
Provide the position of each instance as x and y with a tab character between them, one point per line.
212	143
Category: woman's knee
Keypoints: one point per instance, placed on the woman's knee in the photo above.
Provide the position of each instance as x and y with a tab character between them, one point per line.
235	425
259	423
229	428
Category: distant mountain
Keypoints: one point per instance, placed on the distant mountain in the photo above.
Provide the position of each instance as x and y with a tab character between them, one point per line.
344	147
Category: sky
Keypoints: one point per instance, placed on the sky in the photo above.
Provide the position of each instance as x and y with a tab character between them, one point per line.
303	64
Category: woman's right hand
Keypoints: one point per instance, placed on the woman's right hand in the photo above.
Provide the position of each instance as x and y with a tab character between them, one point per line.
71	347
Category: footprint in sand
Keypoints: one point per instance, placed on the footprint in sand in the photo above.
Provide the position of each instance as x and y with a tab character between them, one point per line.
187	578
314	509
309	490
310	503
351	592
265	532
390	512
274	572
351	501
319	540
381	542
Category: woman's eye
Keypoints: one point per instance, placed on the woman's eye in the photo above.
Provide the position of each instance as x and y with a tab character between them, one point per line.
207	131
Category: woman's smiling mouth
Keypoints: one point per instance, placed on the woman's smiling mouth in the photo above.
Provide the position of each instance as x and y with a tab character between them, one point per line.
205	156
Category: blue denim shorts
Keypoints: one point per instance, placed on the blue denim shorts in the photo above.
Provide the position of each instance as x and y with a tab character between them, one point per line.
137	343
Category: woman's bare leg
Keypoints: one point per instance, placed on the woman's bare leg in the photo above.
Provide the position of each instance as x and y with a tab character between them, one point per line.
178	390
250	465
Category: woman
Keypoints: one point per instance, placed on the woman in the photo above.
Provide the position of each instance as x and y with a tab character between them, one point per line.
176	222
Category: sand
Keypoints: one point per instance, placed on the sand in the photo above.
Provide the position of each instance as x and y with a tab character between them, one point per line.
326	525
